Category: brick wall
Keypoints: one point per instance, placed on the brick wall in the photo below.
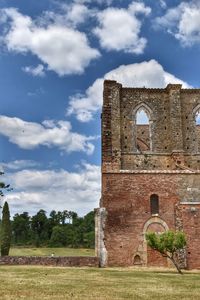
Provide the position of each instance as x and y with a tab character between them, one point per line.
127	201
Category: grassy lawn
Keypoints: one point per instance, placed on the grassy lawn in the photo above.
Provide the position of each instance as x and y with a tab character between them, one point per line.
19	282
21	251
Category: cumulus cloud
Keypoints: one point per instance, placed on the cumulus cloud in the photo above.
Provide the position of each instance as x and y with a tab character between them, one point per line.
148	74
127	36
29	135
65	50
183	22
19	164
49	189
35	71
71	14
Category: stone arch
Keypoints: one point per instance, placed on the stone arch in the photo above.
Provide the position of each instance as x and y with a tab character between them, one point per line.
137	261
142	143
153	220
145	107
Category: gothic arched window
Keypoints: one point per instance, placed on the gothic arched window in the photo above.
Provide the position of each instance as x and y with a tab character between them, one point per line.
197	125
154	204
142	128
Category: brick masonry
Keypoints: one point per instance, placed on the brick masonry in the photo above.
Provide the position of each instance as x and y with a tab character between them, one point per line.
70	261
162	158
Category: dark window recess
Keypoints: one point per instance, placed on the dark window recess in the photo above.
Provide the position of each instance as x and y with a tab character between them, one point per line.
154	204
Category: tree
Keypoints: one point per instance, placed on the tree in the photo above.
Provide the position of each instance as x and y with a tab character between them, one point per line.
5	230
39	225
58	237
167	243
21	228
4	186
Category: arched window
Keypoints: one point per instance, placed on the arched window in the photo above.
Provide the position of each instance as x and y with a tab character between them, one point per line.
141	117
143	139
198	117
154	204
197	125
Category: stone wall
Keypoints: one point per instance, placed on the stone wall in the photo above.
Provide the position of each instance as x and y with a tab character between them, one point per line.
172	126
70	261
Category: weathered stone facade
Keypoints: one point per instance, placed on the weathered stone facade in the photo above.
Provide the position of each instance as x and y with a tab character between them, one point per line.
139	161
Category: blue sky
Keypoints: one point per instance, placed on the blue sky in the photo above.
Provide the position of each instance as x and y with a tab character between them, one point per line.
54	56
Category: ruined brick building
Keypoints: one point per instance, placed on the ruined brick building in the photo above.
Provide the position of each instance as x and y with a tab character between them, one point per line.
150	173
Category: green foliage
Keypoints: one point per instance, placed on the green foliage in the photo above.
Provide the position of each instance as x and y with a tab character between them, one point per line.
60	229
167	243
58	237
5	230
39	226
4	186
21	228
89	239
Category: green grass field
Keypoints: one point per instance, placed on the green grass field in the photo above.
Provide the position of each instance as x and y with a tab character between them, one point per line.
21	251
29	282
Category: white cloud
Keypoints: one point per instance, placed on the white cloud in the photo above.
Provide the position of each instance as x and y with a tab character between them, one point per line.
126	38
19	164
33	190
148	74
183	22
64	49
77	13
35	71
163	4
72	15
29	135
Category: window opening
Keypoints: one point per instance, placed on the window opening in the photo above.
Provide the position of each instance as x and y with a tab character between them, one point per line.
142	130
198	117
197	123
154	204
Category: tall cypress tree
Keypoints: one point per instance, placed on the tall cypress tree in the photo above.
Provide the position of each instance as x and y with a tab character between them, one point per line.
5	230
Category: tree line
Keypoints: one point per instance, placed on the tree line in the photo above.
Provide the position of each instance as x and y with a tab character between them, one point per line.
59	229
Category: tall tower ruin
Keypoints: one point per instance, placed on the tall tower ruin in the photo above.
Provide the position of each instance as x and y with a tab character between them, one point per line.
150	173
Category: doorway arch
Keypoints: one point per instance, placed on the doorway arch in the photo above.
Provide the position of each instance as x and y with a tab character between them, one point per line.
150	256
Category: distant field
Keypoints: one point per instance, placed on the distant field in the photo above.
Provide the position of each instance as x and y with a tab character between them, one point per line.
48	283
21	251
